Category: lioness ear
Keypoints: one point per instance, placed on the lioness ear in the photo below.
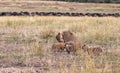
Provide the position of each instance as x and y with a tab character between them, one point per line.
71	33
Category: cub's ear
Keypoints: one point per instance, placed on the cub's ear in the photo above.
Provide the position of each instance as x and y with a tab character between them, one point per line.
84	45
59	33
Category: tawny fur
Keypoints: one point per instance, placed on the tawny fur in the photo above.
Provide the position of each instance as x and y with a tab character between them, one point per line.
97	50
59	37
58	47
71	42
70	46
65	36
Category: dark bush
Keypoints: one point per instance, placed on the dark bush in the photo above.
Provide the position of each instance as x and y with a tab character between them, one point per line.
93	1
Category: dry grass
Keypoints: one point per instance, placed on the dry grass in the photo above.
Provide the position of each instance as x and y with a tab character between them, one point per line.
91	30
26	43
54	6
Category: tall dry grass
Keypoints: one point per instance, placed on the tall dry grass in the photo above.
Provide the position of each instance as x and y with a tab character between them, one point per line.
93	30
37	34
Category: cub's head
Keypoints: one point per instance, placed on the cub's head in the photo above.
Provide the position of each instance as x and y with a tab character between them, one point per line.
85	47
59	37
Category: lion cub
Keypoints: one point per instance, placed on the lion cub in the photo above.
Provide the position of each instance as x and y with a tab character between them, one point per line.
58	47
97	50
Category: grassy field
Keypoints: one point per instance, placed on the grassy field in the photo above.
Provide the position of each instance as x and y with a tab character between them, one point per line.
54	6
25	44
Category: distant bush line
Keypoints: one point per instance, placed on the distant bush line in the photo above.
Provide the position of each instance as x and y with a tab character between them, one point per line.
58	14
93	1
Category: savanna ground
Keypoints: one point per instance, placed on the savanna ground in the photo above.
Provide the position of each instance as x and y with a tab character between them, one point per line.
25	44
